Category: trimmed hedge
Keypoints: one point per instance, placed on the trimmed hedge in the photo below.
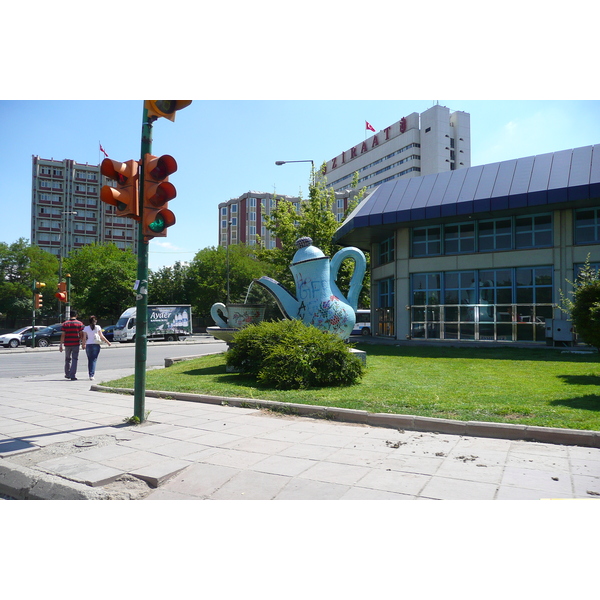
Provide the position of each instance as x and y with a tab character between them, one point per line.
289	355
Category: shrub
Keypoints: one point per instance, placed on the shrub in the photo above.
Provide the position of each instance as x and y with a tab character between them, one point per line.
290	355
584	307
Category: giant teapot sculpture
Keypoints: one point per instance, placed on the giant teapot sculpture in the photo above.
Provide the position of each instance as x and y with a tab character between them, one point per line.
318	300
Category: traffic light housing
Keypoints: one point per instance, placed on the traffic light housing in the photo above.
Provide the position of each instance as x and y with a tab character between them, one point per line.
125	197
157	191
38	301
165	108
62	292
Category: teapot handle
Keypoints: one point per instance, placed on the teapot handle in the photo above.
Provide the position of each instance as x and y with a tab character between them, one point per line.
360	267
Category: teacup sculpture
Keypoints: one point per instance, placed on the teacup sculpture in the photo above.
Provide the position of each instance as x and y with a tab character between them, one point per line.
230	318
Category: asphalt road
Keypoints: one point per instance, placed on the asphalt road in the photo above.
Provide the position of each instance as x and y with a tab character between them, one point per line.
22	362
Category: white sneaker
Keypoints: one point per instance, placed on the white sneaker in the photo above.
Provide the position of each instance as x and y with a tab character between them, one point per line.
91	379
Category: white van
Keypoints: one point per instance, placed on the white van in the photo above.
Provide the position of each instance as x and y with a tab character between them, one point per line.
363	322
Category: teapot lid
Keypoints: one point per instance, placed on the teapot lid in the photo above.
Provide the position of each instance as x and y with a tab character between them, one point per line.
306	251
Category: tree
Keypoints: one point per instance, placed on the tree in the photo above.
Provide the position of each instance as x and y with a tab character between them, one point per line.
102	280
170	285
207	277
21	264
316	220
584	306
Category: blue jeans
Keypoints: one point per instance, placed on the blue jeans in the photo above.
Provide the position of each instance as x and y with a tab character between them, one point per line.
92	351
71	358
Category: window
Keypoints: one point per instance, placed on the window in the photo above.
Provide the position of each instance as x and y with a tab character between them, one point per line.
587	226
533	232
252	202
494	235
459	238
426	288
386	251
426	241
233	208
224	211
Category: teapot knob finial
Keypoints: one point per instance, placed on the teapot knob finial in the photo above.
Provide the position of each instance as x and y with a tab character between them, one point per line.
303	242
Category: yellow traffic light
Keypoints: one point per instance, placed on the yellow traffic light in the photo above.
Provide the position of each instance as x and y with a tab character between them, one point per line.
38	301
165	108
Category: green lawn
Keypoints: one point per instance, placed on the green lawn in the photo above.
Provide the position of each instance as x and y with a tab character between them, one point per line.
540	386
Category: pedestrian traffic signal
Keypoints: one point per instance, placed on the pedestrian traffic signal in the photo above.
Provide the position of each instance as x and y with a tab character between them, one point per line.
125	197
62	292
165	108
157	191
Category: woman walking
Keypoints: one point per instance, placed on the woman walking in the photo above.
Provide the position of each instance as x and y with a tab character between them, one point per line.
92	337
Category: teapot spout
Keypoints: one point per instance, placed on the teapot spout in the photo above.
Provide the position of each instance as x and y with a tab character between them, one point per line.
287	303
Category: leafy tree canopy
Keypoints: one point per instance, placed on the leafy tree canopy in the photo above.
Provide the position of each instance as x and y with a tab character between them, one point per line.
102	279
20	264
316	220
583	305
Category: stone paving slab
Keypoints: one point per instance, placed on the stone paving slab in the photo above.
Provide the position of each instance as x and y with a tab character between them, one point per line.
193	450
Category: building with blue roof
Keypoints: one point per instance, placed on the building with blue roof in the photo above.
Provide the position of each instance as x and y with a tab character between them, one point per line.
480	253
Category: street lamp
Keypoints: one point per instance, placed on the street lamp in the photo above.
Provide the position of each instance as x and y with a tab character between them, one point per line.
312	165
227	255
60	258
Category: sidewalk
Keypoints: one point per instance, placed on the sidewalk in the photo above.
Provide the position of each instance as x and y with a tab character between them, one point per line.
61	440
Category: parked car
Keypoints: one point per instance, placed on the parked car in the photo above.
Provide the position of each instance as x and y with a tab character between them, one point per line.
109	332
44	337
12	340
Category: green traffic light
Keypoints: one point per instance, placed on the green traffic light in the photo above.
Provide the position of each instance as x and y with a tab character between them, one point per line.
157	225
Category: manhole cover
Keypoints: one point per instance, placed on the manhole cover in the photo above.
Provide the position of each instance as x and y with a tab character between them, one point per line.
86	444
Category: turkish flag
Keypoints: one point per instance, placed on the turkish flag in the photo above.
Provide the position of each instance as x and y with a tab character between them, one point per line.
369	126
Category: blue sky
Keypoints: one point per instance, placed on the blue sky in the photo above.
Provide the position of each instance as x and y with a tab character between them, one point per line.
225	148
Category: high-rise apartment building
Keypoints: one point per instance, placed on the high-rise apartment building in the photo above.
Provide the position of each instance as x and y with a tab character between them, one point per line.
434	141
66	210
241	220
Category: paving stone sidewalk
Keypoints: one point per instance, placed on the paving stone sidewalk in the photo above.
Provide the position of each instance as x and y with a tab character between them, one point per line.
61	440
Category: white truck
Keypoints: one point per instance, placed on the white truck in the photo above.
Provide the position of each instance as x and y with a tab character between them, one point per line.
165	322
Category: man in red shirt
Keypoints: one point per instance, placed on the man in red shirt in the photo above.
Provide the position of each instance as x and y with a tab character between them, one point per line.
71	338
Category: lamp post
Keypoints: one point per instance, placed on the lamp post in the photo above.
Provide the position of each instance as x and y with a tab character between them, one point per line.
60	259
227	256
312	165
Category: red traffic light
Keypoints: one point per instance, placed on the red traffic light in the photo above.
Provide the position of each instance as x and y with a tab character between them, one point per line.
62	292
157	192
165	108
125	197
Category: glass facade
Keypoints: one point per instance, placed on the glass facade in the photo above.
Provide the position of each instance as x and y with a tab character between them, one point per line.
491	304
489	235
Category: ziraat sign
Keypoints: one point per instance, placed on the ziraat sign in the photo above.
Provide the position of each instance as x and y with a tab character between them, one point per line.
383	136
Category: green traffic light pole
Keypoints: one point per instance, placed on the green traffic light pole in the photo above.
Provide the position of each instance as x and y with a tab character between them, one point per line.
141	305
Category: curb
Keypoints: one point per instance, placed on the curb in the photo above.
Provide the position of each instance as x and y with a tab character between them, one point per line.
23	483
507	431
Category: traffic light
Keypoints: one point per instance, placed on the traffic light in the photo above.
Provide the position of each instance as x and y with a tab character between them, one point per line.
165	108
157	191
62	292
125	197
38	301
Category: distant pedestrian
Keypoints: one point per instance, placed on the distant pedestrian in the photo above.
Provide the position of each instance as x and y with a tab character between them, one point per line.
91	343
71	337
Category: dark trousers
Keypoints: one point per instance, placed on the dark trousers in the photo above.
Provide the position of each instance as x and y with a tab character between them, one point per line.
71	358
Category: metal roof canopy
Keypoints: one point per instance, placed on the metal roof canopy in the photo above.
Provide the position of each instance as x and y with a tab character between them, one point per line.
523	185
